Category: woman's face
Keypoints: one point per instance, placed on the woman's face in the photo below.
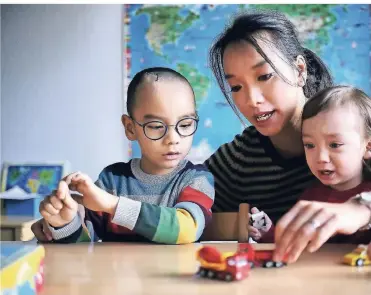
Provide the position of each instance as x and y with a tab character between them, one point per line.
261	95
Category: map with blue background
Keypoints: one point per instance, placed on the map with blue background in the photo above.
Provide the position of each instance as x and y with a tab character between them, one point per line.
38	179
179	36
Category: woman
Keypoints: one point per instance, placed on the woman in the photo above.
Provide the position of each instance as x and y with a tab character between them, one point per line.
267	75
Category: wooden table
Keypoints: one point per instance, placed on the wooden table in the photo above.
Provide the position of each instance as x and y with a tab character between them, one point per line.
158	269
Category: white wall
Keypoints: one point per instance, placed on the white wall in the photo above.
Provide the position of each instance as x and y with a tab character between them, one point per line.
62	85
0	90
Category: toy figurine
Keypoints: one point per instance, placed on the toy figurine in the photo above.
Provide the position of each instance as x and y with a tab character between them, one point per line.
258	221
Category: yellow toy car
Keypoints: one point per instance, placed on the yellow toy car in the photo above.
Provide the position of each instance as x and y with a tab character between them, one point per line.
358	257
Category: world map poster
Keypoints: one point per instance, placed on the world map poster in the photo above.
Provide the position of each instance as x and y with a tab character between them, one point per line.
180	36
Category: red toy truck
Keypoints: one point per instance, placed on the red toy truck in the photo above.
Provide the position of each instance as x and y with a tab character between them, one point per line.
259	257
227	266
233	266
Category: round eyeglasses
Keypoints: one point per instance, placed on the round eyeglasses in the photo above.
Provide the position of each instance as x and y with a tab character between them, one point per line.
156	130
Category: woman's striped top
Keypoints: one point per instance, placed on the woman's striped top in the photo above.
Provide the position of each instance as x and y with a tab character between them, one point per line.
249	169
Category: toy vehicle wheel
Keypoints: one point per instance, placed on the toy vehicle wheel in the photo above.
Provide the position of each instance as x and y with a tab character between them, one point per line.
360	262
268	264
228	277
211	274
202	272
252	265
278	264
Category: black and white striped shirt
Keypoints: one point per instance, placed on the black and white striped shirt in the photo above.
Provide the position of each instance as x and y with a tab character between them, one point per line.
249	169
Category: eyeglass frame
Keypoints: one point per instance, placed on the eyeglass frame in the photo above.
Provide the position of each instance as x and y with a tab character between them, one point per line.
143	125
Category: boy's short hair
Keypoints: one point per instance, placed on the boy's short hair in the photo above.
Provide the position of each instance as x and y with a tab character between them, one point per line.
160	73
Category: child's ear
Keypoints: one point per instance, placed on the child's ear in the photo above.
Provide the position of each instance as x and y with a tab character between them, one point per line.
129	127
367	154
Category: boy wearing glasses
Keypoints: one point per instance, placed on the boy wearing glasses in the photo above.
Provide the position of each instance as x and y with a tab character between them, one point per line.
160	197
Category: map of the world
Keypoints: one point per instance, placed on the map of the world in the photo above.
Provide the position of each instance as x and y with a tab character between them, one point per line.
179	36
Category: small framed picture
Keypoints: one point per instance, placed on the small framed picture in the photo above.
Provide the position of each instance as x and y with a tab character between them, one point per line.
37	178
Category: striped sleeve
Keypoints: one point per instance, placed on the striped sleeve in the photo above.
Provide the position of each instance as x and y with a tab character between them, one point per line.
94	225
184	223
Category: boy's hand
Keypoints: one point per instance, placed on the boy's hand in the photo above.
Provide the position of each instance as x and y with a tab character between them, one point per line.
59	208
260	225
93	197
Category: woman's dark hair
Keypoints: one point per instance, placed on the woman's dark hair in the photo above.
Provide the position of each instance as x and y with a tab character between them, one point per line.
338	96
159	74
252	26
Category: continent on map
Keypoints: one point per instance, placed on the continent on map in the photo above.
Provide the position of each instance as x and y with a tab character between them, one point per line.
33	185
46	176
14	176
199	82
166	24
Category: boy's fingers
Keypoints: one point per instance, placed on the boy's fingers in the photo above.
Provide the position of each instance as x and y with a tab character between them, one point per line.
45	214
70	202
57	203
50	209
78	198
38	229
45	207
65	196
62	190
46	230
69	177
72	180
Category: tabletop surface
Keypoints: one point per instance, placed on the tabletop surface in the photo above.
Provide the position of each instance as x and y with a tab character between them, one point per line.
116	268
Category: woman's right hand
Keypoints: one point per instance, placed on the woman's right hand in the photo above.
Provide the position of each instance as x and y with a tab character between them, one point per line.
308	225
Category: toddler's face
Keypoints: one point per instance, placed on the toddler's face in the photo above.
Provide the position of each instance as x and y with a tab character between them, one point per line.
159	104
335	146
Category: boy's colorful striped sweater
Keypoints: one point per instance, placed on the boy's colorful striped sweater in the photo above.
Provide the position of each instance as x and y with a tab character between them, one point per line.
170	209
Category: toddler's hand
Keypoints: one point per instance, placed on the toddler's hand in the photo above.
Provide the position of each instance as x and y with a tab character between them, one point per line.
59	208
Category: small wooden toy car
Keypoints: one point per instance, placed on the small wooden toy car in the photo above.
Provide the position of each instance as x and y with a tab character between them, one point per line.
262	258
228	266
233	266
358	257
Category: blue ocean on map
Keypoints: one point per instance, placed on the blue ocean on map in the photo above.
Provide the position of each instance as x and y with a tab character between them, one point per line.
180	36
